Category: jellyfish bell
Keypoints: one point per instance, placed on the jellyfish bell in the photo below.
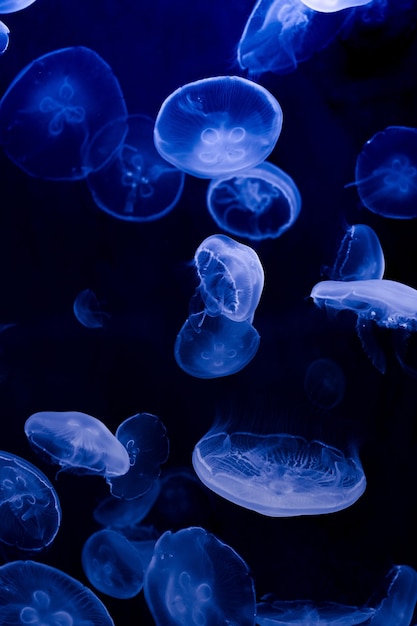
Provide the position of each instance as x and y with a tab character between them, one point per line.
4	37
359	257
329	6
12	6
272	612
400	598
87	310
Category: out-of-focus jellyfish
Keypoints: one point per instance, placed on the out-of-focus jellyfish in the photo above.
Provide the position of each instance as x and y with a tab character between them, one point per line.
115	513
137	184
400	599
4	37
280	34
29	506
329	6
88	311
272	612
145	439
12	6
278	475
360	255
112	564
216	347
386	173
78	442
324	383
34	593
54	108
194	578
218	126
259	203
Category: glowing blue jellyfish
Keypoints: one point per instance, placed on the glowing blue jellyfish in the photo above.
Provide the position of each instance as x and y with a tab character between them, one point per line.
29	507
400	600
360	255
217	126
280	34
203	581
55	107
88	311
112	512
324	383
145	439
386	173
278	475
259	203
78	442
11	6
112	564
137	184
329	6
4	37
216	347
272	612
37	594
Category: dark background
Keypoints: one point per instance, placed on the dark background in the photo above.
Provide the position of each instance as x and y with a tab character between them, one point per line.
54	242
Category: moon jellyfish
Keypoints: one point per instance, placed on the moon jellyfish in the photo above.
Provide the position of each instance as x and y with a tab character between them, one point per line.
12	6
398	605
30	511
360	255
386	173
259	203
4	37
280	34
55	107
329	6
112	512
145	439
34	593
218	126
278	475
78	442
195	579
88	311
324	383
112	565
271	612
137	184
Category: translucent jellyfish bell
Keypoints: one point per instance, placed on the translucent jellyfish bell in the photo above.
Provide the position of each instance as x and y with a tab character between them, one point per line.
271	612
11	6
400	599
4	37
217	126
360	255
54	108
259	203
87	310
329	6
278	475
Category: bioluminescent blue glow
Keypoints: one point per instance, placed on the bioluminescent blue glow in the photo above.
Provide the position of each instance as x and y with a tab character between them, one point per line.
259	203
55	107
34	593
137	184
272	612
218	126
278	475
203	581
216	347
400	600
77	442
145	439
30	511
4	37
11	6
88	311
112	564
324	383
112	512
329	6
386	173
360	255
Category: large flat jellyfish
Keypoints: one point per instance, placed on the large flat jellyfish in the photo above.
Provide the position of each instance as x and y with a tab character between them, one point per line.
54	108
359	257
195	580
37	594
30	511
329	6
278	475
399	603
259	203
272	612
217	126
77	442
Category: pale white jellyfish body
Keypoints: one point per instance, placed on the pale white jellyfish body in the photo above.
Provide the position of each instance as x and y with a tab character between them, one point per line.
330	6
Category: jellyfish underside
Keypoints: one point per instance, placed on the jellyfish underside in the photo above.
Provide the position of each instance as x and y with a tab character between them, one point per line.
271	612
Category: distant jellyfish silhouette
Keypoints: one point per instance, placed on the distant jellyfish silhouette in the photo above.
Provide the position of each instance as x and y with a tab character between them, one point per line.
29	506
137	184
217	126
54	108
112	564
145	439
78	442
272	612
87	310
12	6
329	6
324	383
259	203
278	475
386	173
280	34
34	593
360	255
112	512
203	581
4	37
399	603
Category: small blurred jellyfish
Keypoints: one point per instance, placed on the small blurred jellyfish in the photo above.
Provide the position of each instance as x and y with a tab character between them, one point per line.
30	511
360	255
272	612
34	593
137	184
386	173
112	564
119	514
12	6
324	383
203	581
77	442
54	108
278	475
218	126
145	439
259	203
399	603
88	311
329	6
280	34
4	37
